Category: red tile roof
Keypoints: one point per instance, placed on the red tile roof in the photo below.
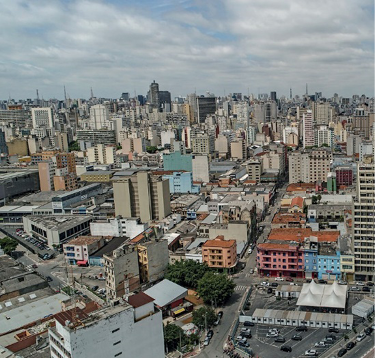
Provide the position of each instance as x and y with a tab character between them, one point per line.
284	218
297	234
300	187
139	299
297	201
219	242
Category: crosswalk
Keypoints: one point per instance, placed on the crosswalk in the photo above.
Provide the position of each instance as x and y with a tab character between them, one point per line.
240	288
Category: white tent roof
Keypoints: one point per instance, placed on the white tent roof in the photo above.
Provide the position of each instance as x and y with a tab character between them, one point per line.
320	295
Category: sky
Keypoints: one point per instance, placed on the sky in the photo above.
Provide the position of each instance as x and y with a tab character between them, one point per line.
187	46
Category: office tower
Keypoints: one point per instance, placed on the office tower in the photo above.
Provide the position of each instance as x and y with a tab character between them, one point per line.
154	94
322	113
18	116
122	329
96	136
273	96
270	109
125	96
364	221
140	194
206	106
165	97
203	144
308	129
99	117
42	117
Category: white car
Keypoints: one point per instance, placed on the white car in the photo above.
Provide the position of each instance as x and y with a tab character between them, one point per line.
311	353
272	335
206	341
359	283
265	283
250	251
279	278
361	337
320	344
245	330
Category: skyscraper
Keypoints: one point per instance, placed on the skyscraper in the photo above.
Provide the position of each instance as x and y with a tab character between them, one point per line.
42	117
206	106
308	129
154	94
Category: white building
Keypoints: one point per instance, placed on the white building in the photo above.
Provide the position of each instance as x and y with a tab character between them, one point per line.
128	329
99	117
323	135
129	227
102	154
201	168
308	129
42	117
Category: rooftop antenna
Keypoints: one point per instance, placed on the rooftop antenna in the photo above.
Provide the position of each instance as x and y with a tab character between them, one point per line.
92	93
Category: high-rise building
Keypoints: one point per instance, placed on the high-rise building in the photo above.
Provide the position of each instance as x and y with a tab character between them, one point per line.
273	96
203	144
154	94
99	117
308	129
206	106
118	330
102	154
42	117
364	221
140	194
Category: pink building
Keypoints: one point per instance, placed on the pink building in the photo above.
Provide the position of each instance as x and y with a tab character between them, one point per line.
284	260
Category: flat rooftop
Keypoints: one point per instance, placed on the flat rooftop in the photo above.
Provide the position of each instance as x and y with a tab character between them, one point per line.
56	222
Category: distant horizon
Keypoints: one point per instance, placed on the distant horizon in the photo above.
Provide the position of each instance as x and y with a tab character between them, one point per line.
187	46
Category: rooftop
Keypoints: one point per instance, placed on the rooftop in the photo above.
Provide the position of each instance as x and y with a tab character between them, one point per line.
112	244
139	299
57	222
84	240
284	218
300	187
166	292
219	242
298	235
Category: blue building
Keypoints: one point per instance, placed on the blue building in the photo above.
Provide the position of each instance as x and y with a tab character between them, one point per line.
177	161
181	182
328	263
310	250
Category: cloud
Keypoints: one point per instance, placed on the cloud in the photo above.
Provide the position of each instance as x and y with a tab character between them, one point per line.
226	45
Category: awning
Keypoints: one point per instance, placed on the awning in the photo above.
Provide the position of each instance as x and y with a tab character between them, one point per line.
179	311
83	262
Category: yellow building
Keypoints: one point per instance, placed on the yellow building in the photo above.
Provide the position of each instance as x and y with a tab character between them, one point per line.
97	176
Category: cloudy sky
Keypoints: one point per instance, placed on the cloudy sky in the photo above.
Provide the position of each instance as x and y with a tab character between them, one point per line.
221	46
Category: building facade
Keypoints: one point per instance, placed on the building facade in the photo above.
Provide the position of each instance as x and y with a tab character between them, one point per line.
220	253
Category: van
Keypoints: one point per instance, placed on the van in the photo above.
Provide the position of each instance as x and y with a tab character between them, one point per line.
250	251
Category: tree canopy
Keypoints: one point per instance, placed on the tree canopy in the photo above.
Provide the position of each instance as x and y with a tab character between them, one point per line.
74	146
172	335
8	244
204	316
215	288
186	273
151	149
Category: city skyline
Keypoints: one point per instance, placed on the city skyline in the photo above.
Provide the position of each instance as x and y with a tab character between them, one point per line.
186	46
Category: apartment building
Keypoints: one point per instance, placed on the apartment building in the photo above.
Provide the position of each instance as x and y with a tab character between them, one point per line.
78	250
254	170
238	149
308	129
102	154
203	144
220	253
140	194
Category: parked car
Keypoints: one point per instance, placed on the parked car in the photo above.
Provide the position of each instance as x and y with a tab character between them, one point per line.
265	283
342	282
322	281
206	341
286	348
368	330
274	284
245	330
333	329
301	329
311	352
280	340
95	288
272	335
49	279
341	352
279	279
351	345
289	279
210	333
220	314
297	337
248	323
34	266
370	283
359	283
330	337
361	337
246	334
354	288
366	289
251	271
243	344
320	344
269	290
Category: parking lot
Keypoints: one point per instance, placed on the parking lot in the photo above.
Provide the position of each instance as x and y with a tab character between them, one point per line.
266	346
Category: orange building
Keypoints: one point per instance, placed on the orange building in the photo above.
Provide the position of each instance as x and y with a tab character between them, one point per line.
220	253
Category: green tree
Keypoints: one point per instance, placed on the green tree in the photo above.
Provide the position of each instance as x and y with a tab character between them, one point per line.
204	316
8	244
74	146
172	336
151	149
314	199
318	198
215	288
186	273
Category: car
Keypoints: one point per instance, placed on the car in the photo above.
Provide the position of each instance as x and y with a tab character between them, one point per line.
34	266
280	340
274	284
245	330
251	271
243	344
239	338
286	348
351	345
311	352
333	329
359	283
322	281
330	337
246	334
354	288
368	330
297	337
250	251
279	279
272	335
289	279
342	282
361	337
273	330
94	288
269	290
320	344
210	333
49	279
370	283
301	329
341	352
265	283
366	289
248	323
308	280
206	341
220	314
373	326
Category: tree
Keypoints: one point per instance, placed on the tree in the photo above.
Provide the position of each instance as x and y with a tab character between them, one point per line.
172	336
151	149
186	273
74	146
318	198
215	288
314	199
8	244
204	316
